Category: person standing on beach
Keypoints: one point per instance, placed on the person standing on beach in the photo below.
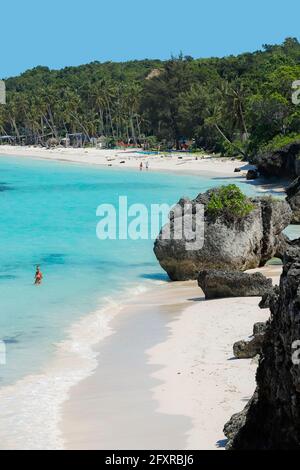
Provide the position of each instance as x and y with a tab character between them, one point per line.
141	166
147	165
38	276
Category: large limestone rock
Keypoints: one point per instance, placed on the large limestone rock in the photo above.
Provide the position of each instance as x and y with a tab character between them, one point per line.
222	284
293	198
240	244
271	419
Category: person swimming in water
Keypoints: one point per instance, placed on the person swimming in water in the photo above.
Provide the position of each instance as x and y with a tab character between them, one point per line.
38	276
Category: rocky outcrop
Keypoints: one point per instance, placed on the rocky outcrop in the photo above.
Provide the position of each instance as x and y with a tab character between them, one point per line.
236	422
249	349
231	245
259	328
221	284
281	162
252	175
267	297
272	418
293	198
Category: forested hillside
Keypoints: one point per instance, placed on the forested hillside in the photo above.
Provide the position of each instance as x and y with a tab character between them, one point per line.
233	105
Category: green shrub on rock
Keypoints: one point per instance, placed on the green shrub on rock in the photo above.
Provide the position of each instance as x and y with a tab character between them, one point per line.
229	201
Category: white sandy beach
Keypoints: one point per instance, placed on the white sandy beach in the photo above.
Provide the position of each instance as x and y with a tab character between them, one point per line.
154	372
166	378
206	164
159	374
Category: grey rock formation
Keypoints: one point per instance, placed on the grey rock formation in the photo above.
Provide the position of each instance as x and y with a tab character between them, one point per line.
252	175
293	198
271	421
221	284
253	347
236	422
248	349
268	296
280	162
259	328
235	245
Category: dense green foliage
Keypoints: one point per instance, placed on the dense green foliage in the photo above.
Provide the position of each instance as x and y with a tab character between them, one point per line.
232	105
280	141
230	202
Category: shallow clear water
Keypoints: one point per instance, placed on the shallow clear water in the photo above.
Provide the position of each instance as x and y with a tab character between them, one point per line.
48	217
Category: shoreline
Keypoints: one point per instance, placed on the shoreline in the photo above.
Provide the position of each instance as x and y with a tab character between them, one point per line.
41	395
176	384
70	400
206	166
186	164
61	376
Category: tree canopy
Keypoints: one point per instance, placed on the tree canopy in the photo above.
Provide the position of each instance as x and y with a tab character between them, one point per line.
233	105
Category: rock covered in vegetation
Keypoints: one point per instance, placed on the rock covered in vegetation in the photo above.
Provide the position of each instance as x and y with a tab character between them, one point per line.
293	198
239	233
281	162
271	419
222	284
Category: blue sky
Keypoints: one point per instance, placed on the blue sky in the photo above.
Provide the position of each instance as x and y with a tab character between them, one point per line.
58	33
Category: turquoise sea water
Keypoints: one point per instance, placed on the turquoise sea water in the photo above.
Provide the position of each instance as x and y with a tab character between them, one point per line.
48	217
